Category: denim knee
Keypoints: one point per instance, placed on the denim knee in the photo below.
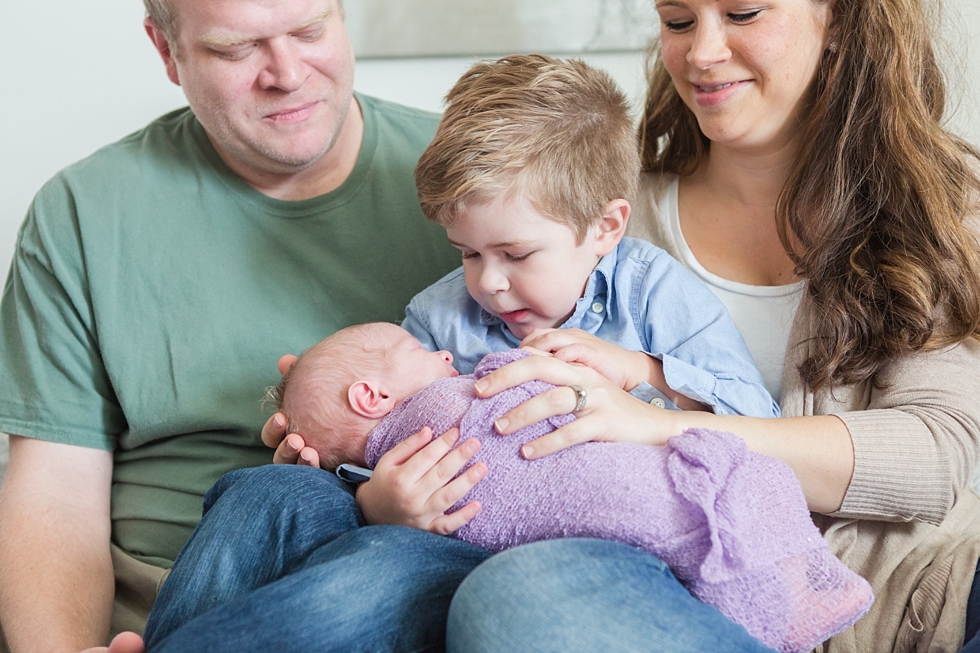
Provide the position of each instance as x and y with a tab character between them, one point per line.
584	595
276	483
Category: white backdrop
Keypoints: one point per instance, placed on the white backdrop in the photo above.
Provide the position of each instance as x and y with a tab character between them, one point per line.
77	75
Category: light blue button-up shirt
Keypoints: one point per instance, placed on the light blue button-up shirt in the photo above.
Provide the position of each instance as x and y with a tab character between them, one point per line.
638	297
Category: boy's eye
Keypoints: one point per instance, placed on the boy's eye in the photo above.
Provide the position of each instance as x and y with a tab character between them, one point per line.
678	25
517	257
744	17
470	255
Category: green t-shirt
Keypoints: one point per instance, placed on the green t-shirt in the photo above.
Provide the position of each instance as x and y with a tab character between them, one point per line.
152	292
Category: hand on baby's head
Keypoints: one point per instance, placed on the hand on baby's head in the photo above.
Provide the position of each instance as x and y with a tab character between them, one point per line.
341	387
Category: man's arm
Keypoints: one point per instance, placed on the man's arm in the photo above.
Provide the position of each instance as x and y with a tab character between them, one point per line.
56	577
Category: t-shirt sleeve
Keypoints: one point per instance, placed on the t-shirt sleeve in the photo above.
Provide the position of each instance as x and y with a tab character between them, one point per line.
53	384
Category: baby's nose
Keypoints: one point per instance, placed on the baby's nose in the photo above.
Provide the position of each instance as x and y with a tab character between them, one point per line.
446	356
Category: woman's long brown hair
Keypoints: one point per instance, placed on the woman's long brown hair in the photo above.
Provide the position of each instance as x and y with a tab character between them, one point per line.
873	211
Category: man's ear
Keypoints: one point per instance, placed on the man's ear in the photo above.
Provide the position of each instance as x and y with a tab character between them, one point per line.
612	226
162	45
367	400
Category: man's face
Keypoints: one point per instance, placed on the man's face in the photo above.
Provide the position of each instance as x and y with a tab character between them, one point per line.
270	80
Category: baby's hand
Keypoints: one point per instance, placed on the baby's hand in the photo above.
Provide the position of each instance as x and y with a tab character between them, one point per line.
413	484
626	369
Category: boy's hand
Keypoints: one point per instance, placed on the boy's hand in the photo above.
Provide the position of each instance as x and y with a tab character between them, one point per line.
413	484
626	369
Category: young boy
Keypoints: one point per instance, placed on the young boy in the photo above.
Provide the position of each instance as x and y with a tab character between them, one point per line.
530	172
695	503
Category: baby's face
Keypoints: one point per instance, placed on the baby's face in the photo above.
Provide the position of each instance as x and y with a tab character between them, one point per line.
411	366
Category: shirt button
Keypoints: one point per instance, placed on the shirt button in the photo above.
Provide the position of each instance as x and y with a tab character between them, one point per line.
658	402
597	307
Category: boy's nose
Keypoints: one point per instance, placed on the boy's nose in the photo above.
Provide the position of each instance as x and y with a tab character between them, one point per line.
492	281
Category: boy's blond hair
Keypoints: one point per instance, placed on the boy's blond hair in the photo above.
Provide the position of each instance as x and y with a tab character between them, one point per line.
556	133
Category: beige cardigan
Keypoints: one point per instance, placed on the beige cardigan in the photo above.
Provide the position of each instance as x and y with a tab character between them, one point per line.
909	522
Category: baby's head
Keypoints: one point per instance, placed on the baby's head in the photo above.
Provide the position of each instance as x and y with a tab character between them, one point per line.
531	172
341	387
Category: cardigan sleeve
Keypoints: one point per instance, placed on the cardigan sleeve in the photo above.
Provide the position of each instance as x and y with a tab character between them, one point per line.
918	441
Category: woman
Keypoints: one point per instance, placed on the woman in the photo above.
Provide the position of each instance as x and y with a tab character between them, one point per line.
796	162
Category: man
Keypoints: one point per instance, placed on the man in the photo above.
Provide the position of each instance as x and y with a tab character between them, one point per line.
153	284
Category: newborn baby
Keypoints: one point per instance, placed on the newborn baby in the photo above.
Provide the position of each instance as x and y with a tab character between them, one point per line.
732	524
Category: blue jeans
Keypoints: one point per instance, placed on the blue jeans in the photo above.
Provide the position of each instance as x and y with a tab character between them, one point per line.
282	561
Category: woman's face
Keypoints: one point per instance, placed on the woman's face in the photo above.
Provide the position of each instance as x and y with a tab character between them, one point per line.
743	66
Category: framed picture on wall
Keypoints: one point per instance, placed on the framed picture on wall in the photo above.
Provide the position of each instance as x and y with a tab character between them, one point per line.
420	28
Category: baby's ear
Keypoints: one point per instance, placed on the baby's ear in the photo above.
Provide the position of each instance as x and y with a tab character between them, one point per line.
367	400
612	226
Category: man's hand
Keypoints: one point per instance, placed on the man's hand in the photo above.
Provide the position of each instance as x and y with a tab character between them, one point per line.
122	643
290	448
413	484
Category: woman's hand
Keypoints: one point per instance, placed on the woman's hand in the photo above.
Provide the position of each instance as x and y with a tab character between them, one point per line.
610	414
626	369
413	484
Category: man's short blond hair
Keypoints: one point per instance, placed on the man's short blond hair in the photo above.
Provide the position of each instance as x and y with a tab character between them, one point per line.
164	16
557	133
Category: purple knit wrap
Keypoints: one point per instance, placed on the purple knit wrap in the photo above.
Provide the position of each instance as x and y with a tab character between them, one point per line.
732	525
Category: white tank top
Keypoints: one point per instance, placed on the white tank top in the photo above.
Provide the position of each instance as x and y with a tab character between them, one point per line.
762	314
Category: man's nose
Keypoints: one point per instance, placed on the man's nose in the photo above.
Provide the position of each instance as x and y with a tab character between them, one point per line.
284	68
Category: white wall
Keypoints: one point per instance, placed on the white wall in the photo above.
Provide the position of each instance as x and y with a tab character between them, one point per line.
77	75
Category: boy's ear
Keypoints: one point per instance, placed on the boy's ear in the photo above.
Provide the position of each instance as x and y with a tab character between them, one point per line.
367	400
612	226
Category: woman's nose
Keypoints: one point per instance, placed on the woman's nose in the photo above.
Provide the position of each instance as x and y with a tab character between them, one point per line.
710	45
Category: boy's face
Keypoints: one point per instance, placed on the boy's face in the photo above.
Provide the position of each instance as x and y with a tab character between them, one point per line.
411	367
521	266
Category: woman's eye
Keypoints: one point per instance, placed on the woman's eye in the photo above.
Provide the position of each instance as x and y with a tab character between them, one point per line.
678	25
745	17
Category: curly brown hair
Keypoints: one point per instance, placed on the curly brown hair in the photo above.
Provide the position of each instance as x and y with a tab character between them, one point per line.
873	212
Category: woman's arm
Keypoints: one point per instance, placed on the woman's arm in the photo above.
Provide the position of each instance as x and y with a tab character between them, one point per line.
818	449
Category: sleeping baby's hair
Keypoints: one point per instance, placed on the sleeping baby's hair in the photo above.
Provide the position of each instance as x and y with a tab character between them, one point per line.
313	392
